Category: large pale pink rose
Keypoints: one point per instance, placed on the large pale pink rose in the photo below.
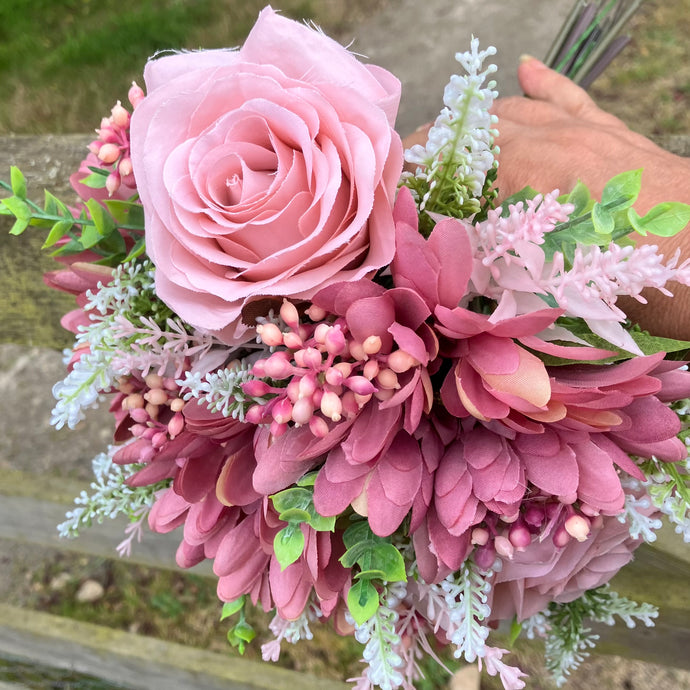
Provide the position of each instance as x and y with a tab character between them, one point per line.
265	171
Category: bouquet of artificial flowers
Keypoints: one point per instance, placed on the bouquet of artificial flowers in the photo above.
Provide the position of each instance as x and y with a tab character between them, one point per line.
369	397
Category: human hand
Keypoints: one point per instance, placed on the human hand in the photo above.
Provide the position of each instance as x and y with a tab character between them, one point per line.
557	136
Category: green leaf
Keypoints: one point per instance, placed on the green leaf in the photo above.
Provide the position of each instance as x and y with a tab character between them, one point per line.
58	231
663	220
294	515
94	181
288	499
18	182
321	523
580	198
230	608
54	207
101	218
18	208
19	226
241	635
90	236
137	250
308	479
622	190
370	575
602	219
523	195
362	601
288	545
126	212
376	555
515	630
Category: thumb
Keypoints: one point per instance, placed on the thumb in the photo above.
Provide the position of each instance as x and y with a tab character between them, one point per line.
544	84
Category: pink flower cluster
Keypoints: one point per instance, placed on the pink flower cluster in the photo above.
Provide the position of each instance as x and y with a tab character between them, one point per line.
417	413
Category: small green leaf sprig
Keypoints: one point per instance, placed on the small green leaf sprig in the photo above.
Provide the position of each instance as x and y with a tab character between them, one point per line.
114	230
242	632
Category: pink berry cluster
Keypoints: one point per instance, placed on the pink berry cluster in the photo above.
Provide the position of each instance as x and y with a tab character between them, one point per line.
325	374
152	411
540	518
112	146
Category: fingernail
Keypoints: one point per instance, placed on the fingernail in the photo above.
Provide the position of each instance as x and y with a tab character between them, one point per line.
526	58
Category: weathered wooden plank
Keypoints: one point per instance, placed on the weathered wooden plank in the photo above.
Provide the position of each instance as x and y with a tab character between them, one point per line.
138	662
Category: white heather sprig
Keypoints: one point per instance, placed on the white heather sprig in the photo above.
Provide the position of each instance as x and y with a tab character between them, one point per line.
94	372
290	631
568	641
382	642
111	496
668	487
460	151
221	390
636	512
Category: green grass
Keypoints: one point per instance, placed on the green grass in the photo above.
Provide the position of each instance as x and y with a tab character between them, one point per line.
63	63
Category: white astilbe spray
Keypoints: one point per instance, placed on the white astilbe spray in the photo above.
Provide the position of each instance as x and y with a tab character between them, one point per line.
112	496
460	151
290	631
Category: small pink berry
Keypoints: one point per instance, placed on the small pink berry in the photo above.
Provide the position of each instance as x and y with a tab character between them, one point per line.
139	415
400	361
135	94
270	334
315	313
277	366
318	427
113	182
560	537
255	414
176	425
360	385
302	411
577	527
321	331
292	340
289	314
119	115
331	406
256	388
334	376
125	167
335	341
503	547
156	396
480	536
371	369
372	345
109	153
307	386
282	411
387	378
311	358
159	440
519	536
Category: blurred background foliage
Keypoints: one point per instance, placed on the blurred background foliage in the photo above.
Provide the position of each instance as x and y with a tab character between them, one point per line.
63	63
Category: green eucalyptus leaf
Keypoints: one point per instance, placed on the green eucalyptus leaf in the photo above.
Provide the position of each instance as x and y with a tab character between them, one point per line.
370	575
321	523
18	182
295	497
663	220
376	554
295	515
58	231
362	601
602	219
230	608
308	479
288	545
622	190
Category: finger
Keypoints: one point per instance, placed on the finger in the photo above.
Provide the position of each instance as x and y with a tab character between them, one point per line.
518	110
